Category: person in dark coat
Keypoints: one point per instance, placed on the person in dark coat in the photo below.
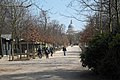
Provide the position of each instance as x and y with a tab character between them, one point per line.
39	52
64	50
51	51
46	52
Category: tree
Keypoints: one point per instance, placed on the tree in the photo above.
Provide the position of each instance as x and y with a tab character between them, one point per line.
102	49
16	20
14	12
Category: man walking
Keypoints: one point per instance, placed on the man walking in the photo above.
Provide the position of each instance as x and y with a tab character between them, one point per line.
64	50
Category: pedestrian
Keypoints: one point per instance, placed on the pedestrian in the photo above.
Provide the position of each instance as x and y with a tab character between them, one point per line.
39	52
64	50
46	52
51	51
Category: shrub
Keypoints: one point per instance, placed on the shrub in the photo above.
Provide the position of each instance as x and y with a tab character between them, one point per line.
103	55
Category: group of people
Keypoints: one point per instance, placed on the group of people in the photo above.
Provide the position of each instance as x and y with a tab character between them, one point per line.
47	51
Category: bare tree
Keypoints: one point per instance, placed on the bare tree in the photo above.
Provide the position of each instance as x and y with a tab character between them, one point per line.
16	11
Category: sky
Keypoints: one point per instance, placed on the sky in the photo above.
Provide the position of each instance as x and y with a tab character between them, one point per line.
57	8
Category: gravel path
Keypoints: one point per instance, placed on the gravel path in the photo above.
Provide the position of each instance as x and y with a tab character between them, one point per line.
58	67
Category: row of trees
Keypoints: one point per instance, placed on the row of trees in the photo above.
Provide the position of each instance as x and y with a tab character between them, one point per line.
102	36
15	19
105	18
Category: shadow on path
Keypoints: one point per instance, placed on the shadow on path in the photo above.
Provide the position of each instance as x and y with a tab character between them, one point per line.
53	75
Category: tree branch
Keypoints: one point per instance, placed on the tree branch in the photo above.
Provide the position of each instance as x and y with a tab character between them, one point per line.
73	17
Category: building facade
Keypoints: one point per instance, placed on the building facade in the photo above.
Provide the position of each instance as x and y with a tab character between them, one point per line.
72	34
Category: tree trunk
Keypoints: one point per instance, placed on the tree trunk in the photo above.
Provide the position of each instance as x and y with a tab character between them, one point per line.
101	31
110	16
117	16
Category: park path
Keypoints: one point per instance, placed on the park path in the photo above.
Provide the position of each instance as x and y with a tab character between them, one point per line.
58	67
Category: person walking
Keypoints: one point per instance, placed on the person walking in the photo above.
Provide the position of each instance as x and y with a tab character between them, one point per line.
39	52
51	51
64	50
46	52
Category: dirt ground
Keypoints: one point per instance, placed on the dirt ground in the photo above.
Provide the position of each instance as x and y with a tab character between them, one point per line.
58	67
